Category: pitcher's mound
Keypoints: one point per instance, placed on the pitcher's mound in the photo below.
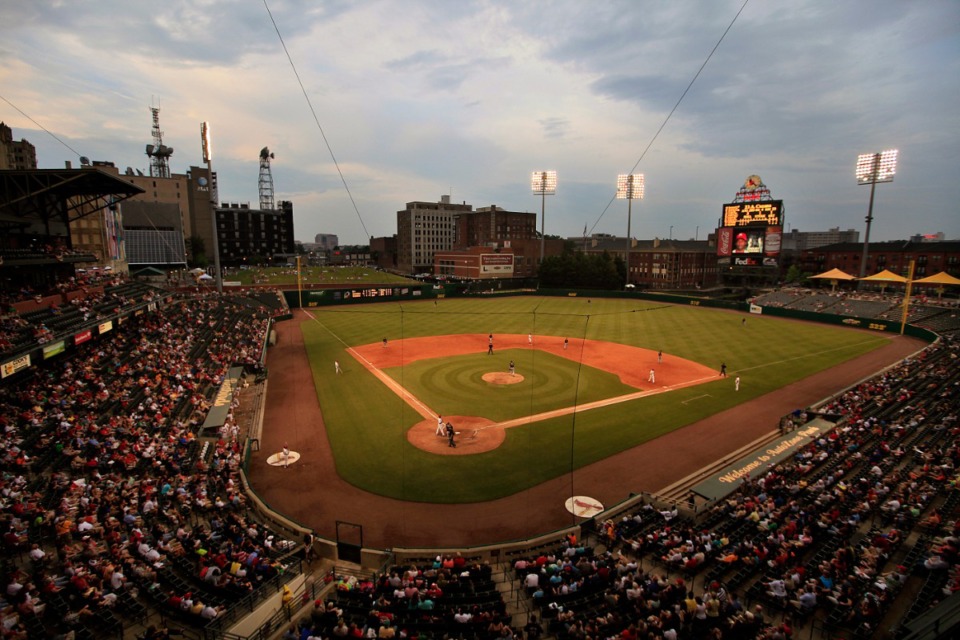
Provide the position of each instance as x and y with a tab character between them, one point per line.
498	377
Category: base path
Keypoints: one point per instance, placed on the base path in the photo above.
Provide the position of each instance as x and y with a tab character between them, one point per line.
624	361
313	494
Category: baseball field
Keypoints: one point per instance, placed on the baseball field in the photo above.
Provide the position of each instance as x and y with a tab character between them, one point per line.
566	406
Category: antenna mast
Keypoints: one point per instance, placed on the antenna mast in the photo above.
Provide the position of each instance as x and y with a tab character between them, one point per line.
266	181
158	152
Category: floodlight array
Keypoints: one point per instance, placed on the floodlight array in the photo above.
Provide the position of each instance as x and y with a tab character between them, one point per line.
206	142
544	183
877	167
630	186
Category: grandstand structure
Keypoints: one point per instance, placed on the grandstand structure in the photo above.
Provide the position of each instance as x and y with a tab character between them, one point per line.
941	319
130	413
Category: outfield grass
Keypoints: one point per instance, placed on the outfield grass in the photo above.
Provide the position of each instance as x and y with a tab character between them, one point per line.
367	423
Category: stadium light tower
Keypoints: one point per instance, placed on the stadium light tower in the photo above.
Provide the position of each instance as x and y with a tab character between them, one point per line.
208	158
871	169
629	187
543	184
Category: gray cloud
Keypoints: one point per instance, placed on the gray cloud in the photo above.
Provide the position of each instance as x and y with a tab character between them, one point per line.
424	96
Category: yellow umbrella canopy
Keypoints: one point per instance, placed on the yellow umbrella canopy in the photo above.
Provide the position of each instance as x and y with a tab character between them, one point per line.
834	274
885	276
941	278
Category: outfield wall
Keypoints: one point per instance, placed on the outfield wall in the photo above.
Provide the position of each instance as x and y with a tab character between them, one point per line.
374	293
873	324
358	295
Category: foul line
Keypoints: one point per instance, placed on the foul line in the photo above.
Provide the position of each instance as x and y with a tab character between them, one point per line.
804	356
420	407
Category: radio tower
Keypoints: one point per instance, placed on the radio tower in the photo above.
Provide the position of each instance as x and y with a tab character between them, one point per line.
158	152
266	181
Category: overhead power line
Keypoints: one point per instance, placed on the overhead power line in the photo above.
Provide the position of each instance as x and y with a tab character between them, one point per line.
316	119
669	115
47	131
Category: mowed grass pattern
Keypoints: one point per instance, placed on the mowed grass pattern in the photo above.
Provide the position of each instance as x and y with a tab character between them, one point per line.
455	385
367	423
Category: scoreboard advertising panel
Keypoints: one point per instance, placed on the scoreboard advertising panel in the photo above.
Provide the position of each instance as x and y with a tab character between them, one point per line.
751	233
753	246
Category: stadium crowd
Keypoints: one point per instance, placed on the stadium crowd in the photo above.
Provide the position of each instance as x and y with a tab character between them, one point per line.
822	533
107	493
109	497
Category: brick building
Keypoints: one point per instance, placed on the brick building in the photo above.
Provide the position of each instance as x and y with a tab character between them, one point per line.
929	258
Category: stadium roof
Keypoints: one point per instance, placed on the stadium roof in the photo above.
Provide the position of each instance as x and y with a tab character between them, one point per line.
64	194
885	276
834	274
940	278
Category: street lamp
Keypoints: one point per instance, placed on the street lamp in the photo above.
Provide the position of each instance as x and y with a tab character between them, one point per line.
629	187
208	158
543	184
871	169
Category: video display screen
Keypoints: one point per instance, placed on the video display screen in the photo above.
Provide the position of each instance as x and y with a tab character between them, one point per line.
760	244
748	241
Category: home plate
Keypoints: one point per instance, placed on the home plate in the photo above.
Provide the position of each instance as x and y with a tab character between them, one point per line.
277	458
583	507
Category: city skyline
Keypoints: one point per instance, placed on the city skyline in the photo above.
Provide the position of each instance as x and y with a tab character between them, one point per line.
425	98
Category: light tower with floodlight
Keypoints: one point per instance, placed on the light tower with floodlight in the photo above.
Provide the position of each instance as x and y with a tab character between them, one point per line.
629	188
207	145
871	169
543	184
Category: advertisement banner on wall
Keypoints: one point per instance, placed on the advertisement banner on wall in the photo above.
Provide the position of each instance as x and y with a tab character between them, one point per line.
724	241
496	264
82	337
772	241
53	349
12	366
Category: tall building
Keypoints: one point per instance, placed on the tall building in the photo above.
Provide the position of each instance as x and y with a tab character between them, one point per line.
424	228
802	240
491	226
202	198
326	241
13	154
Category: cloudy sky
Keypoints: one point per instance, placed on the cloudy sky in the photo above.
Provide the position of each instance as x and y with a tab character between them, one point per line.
415	99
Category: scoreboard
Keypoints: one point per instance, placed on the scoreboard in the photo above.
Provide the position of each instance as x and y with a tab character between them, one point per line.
744	214
751	228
